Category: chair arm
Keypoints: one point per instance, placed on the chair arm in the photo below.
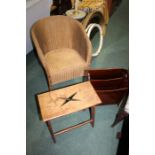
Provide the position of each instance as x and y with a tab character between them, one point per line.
42	58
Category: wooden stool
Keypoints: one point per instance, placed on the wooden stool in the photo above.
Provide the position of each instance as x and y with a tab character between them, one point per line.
61	102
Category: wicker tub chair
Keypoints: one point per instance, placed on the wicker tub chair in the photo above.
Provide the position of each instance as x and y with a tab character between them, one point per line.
63	48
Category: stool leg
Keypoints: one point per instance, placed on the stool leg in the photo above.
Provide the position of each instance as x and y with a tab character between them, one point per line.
92	115
51	131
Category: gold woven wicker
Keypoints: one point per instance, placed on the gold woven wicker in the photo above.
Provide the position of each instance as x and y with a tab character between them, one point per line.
92	4
98	8
63	47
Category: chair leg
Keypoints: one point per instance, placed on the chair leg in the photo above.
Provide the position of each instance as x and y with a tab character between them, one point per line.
49	84
49	87
85	76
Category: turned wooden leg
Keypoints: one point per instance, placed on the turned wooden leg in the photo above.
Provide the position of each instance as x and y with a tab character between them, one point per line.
51	131
92	115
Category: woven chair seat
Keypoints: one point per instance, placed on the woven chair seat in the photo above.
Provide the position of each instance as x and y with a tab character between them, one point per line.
65	63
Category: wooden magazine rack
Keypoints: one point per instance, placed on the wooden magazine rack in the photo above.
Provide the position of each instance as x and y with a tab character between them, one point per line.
110	84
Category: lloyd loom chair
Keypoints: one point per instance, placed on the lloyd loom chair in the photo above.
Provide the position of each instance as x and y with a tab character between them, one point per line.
63	48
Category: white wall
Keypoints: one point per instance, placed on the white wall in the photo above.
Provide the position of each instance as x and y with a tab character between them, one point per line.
35	10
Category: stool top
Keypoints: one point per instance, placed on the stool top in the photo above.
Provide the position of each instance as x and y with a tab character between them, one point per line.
79	14
57	103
